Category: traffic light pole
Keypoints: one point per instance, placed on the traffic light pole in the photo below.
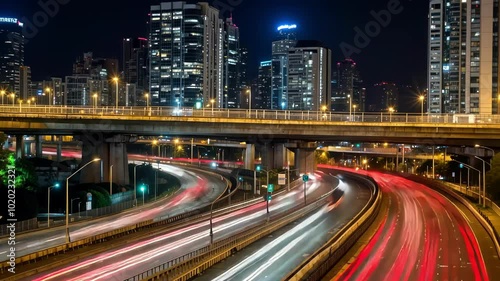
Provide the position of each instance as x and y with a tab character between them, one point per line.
305	200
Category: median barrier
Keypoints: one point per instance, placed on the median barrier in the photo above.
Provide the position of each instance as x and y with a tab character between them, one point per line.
318	264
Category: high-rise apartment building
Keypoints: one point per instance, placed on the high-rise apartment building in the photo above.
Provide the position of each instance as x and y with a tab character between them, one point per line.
232	63
463	56
11	54
348	87
385	96
263	96
135	70
309	76
186	54
24	82
286	39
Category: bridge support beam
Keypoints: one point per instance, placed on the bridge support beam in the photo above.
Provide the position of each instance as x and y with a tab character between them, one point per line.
250	157
38	147
305	160
20	149
112	151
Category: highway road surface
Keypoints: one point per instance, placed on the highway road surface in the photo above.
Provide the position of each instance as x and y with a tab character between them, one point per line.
134	258
198	189
272	258
424	236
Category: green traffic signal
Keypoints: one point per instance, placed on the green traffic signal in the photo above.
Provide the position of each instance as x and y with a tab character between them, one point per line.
258	168
57	185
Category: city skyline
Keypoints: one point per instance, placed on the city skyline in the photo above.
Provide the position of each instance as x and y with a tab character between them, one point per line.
104	35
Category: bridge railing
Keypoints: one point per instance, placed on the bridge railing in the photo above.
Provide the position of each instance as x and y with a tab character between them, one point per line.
257	114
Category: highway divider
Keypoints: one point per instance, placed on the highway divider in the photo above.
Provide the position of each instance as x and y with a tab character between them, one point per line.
192	264
320	263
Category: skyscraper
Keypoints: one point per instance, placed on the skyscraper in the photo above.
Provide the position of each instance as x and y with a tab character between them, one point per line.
385	96
11	54
24	82
135	69
286	39
186	54
348	87
463	56
263	96
232	58
309	76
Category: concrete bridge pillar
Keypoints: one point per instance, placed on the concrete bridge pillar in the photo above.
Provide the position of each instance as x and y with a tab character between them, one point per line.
305	160
38	146
20	149
267	154
250	157
112	151
59	149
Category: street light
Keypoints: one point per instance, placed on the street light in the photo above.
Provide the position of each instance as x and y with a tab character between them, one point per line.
2	93
117	81
67	196
110	180
350	107
324	108
73	199
484	180
33	100
20	105
422	99
249	92
354	116
211	216
57	185
484	147
95	101
13	96
146	96
391	110
49	91
470	167
212	101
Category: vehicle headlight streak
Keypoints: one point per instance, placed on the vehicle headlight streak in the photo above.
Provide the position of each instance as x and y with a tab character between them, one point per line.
304	226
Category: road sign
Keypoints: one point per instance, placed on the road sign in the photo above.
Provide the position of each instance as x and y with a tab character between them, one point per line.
453	174
305	178
281	179
270	188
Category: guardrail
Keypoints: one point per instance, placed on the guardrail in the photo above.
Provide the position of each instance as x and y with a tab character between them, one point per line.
319	263
158	111
190	265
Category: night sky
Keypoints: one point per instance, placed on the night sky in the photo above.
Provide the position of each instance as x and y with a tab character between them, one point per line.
397	54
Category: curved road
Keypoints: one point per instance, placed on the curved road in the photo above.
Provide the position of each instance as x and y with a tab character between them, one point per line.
198	189
424	236
126	261
272	258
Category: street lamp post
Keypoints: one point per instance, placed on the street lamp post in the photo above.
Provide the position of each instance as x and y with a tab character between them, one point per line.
212	101
350	107
391	110
48	203
95	101
13	96
487	148
422	99
110	180
484	180
135	184
2	93
67	196
117	81
249	92
146	96
73	199
143	189
20	105
470	167
211	214
354	112
49	92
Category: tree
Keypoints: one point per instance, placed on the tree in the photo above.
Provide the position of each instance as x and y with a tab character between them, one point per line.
493	178
321	157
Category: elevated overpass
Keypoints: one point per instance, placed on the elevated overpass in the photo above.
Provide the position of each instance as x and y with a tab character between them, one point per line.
105	131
